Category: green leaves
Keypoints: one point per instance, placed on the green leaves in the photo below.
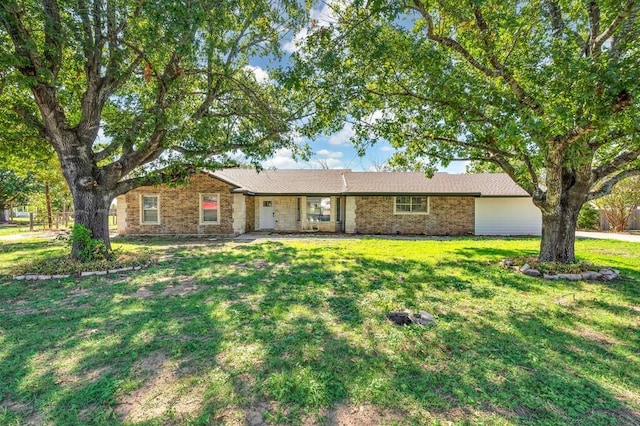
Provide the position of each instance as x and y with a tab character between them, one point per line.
15	189
484	81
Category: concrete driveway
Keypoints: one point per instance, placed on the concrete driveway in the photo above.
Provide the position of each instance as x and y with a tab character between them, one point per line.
609	236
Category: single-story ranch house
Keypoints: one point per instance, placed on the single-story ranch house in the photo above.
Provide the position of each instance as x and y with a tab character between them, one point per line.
236	201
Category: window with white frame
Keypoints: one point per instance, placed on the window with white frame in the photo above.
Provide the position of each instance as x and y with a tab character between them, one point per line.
150	209
209	207
318	209
411	205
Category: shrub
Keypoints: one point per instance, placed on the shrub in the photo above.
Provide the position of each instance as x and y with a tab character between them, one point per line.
589	217
89	248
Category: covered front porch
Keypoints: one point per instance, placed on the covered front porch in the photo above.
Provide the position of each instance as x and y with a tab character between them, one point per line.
307	213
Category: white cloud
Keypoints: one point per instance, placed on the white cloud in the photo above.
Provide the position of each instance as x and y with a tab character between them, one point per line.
326	15
374	117
332	163
261	75
293	45
343	136
282	159
330	154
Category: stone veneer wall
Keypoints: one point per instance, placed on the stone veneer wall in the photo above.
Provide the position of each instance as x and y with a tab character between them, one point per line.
121	215
285	209
350	215
250	212
180	208
447	216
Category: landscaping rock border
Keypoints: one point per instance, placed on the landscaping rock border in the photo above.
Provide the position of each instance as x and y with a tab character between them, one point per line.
603	274
81	274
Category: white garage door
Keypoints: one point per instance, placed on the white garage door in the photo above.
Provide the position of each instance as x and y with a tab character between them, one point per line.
507	216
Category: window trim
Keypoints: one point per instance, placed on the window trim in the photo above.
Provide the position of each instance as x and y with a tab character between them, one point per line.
395	205
320	198
201	220
142	209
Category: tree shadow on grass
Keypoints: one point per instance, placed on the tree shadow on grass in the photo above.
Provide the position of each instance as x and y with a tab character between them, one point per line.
278	334
493	253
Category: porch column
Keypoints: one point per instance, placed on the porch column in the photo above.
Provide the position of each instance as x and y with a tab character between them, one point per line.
350	215
239	214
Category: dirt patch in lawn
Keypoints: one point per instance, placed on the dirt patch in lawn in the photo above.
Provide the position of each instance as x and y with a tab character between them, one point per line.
26	411
624	416
592	335
20	308
184	287
161	393
362	415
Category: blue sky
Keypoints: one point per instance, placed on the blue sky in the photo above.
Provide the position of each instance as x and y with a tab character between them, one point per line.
335	151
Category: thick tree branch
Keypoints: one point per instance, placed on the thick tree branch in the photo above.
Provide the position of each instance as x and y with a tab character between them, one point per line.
52	36
169	175
574	134
11	18
606	186
594	25
555	15
106	152
502	70
596	44
449	42
497	69
558	25
467	144
150	151
618	163
460	107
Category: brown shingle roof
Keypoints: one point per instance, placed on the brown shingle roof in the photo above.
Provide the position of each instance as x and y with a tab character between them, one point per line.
274	182
346	182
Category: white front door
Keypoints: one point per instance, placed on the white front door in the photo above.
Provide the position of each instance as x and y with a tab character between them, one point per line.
267	215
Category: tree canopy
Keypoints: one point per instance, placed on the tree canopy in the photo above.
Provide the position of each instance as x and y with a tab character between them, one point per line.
130	93
15	189
546	90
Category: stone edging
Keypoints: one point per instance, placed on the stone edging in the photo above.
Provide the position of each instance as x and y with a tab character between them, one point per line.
82	274
604	274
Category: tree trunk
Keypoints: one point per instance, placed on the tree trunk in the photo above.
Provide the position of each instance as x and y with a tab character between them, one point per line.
91	209
559	235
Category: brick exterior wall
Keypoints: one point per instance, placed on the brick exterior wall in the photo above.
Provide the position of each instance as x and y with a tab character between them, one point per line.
179	208
447	216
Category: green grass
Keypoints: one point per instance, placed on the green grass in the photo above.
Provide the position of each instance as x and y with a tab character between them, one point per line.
31	254
294	331
20	225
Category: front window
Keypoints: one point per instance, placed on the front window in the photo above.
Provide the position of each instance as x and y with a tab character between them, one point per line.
208	208
318	209
410	204
150	209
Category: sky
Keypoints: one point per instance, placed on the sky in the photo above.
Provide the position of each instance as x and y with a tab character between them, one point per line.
334	151
337	152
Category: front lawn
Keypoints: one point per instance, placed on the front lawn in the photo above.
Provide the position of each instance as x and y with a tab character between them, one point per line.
294	331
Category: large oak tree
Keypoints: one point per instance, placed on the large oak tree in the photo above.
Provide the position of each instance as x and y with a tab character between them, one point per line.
545	89
167	82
